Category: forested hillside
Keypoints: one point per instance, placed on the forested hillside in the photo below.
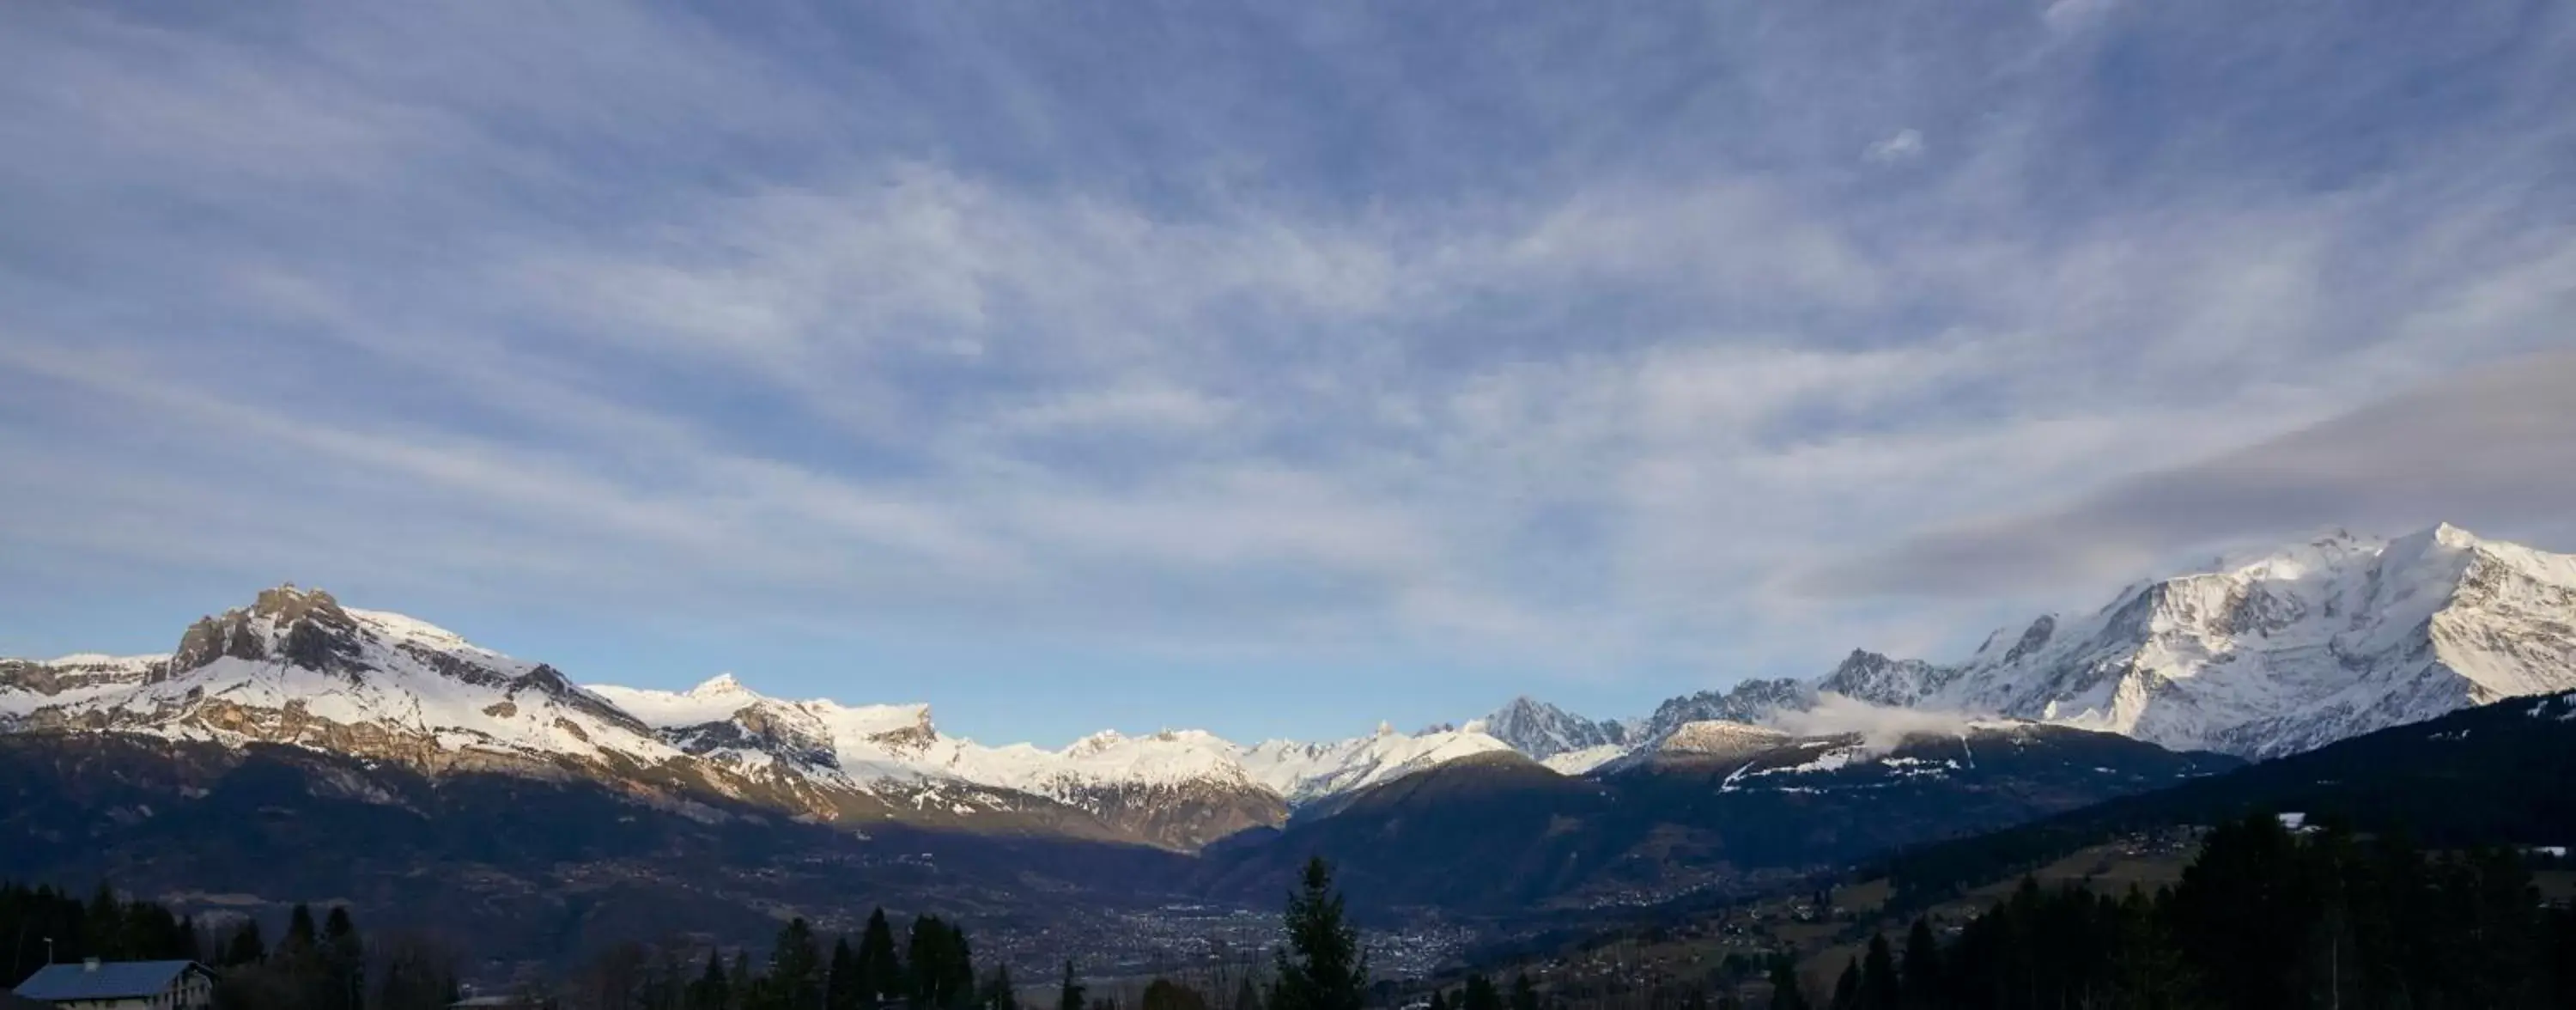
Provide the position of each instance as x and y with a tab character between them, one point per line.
2493	775
2265	918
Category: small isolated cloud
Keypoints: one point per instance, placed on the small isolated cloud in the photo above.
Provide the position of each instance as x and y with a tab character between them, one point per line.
1903	145
2066	17
1881	729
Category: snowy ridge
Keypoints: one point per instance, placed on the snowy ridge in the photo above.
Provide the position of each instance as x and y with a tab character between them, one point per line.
899	741
1306	772
296	668
2275	655
2257	657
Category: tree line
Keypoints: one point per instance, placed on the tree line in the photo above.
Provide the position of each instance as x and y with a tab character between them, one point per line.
42	922
316	965
324	964
2264	918
932	969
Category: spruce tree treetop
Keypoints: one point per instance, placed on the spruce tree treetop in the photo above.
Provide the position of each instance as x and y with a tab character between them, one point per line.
245	947
1880	989
1322	968
844	987
1785	994
299	927
1922	965
881	973
1070	996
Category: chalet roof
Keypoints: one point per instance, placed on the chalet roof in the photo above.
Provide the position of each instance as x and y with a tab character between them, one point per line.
56	983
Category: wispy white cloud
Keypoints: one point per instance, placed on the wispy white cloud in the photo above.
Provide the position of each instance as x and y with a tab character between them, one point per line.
2067	17
1880	728
1902	145
1547	347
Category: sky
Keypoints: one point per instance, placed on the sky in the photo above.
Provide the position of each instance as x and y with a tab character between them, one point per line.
1272	368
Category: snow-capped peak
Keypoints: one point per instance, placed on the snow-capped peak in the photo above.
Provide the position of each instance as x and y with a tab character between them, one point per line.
1304	772
296	667
722	685
2277	653
1543	731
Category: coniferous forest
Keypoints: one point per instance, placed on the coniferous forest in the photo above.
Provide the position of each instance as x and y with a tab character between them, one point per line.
318	963
2265	918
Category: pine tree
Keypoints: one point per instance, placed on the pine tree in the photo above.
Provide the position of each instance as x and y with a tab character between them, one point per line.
1879	987
1524	992
713	990
1847	987
844	988
245	946
1247	995
1322	967
998	992
795	978
1922	967
942	969
102	932
1480	994
1785	994
344	960
1439	1000
300	934
880	973
1069	996
961	968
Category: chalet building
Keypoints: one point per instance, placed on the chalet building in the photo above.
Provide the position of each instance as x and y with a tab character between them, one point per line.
122	985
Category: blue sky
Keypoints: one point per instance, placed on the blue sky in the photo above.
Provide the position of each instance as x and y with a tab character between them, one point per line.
1273	368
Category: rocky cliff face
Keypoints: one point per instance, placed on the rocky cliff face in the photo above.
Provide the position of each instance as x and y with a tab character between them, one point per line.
1541	731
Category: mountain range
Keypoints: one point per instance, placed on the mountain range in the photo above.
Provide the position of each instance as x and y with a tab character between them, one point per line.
380	746
2323	641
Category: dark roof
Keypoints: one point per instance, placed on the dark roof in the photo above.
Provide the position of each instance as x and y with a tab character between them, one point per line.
110	980
13	1001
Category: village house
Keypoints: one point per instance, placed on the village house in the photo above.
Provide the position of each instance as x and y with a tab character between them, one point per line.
122	985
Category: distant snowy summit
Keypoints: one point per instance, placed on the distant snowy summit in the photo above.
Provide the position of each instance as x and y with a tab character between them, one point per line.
298	668
2276	655
2270	656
